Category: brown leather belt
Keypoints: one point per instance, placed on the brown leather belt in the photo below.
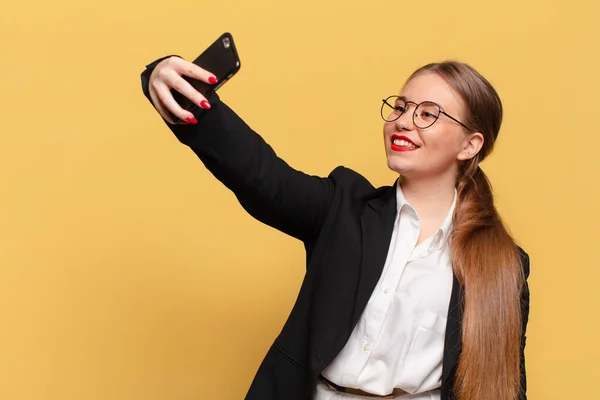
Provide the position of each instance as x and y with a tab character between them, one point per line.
357	392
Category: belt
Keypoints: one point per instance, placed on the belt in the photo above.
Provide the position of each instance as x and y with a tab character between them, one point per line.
357	392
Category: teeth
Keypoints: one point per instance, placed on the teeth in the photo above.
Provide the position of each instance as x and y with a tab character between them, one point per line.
404	143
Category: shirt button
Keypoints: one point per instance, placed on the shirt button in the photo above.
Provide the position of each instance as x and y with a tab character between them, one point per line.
367	347
386	290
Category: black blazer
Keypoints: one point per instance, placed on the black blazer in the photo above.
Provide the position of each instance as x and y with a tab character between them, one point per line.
346	226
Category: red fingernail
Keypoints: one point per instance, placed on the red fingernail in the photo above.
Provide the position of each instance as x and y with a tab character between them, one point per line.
205	104
191	120
212	80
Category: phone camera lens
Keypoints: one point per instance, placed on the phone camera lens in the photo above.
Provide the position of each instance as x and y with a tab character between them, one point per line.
226	42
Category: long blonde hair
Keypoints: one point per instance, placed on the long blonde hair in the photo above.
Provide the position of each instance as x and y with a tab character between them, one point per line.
485	257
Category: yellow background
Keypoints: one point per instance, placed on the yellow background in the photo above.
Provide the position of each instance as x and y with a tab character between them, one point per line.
128	272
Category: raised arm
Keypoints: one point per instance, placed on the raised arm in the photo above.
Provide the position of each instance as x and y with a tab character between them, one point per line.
265	185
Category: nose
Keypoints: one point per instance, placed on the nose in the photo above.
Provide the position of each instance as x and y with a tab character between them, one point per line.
405	122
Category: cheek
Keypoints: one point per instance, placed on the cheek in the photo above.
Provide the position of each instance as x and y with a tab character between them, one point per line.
388	128
446	144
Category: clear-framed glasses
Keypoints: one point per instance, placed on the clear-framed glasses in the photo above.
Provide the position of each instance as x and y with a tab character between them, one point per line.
424	115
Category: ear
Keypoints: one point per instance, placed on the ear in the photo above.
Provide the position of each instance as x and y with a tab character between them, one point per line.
471	146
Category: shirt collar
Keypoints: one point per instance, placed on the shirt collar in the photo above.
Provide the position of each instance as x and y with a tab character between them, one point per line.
442	233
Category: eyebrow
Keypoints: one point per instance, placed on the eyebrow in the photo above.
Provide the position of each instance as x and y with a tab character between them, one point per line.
405	99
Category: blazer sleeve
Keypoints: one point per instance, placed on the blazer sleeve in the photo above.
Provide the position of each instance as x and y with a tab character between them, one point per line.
525	318
264	184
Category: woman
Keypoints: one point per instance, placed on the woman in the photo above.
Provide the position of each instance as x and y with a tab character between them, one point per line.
414	291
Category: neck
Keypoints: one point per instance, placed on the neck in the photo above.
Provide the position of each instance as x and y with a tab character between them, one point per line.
429	196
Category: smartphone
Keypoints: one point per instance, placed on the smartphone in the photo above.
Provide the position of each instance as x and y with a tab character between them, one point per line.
221	59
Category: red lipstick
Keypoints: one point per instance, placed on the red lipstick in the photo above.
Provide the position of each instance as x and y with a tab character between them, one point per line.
400	148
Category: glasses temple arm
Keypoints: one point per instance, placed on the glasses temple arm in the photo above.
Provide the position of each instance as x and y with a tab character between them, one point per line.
455	120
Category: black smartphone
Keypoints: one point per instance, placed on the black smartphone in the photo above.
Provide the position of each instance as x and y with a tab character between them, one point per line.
221	59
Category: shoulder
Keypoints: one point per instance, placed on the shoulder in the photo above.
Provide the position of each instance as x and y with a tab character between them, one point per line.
355	185
346	176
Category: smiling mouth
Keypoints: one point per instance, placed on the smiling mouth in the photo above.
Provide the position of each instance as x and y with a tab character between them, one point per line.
404	143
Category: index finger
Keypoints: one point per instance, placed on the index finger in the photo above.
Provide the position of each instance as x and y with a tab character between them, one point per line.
184	67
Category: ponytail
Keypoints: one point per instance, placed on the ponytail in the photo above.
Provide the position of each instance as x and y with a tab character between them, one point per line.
487	264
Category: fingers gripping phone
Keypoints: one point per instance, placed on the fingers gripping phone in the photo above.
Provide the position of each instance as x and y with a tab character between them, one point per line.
222	60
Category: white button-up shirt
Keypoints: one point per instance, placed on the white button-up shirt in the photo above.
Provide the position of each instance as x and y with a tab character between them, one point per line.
398	341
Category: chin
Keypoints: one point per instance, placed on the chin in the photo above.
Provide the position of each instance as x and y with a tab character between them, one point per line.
397	166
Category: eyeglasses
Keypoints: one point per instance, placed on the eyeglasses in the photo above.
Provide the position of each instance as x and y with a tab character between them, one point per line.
425	114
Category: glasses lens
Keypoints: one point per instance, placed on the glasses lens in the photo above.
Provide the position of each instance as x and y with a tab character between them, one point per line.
426	114
392	108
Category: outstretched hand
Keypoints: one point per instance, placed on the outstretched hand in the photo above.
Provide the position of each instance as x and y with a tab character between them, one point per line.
167	75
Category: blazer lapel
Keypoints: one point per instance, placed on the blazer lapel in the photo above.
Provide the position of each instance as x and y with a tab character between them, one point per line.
377	224
453	339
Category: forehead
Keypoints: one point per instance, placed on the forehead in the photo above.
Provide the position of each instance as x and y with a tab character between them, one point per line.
432	87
